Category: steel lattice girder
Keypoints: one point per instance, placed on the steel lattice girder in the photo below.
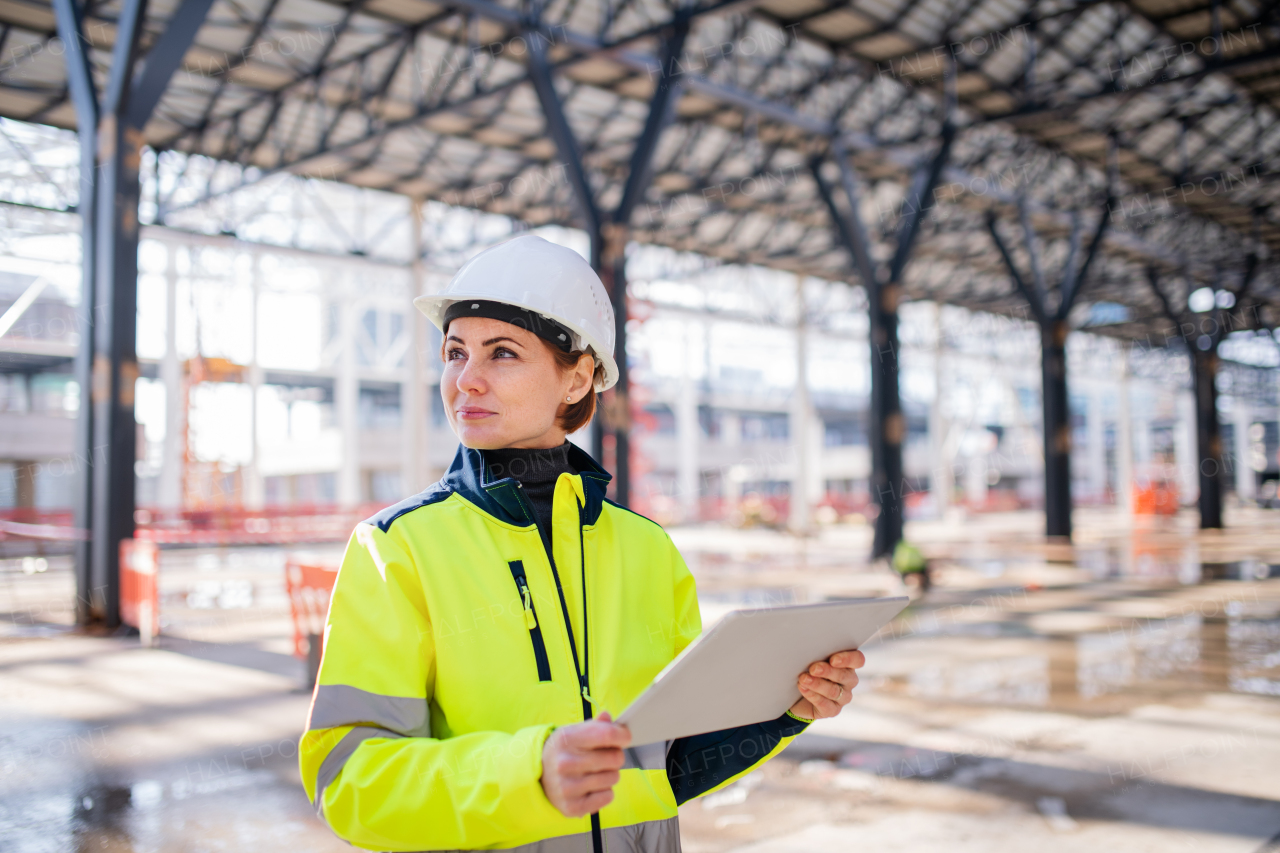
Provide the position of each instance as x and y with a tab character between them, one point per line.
433	100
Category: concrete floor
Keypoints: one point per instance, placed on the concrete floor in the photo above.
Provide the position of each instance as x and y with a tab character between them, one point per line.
1123	694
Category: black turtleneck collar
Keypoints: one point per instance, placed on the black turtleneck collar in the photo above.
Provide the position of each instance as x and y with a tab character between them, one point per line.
527	465
537	472
500	498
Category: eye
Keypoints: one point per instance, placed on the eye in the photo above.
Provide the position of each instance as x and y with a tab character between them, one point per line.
454	353
503	352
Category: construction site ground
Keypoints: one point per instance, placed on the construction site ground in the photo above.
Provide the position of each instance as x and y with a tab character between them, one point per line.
1121	693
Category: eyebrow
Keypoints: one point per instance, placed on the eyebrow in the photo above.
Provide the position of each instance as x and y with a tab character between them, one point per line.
489	342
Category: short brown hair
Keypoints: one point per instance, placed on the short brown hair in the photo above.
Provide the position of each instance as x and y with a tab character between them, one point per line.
579	414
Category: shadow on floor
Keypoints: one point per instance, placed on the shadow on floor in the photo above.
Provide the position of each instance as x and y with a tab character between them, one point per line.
246	655
1127	792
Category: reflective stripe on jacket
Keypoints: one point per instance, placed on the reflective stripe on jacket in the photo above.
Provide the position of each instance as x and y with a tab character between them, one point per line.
450	656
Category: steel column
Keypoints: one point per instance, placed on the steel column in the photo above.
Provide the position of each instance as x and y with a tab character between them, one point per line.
609	238
887	427
1203	351
108	438
1053	354
85	99
801	421
414	401
614	245
1204	366
616	414
570	155
1057	428
115	361
600	422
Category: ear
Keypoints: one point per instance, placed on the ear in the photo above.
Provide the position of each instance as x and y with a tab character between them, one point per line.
583	372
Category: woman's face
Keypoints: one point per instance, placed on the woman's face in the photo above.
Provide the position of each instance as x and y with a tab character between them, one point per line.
502	387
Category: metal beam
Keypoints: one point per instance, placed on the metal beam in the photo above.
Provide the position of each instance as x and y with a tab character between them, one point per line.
124	54
566	142
84	97
920	200
1070	275
164	57
588	46
1032	298
661	111
852	231
1073	283
1033	254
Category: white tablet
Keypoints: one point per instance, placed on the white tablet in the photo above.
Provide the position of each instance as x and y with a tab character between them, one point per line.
744	669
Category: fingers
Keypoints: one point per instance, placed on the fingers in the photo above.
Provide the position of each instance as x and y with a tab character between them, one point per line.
586	795
850	659
571	763
587	805
618	735
823	706
828	684
585	787
847	676
601	733
836	691
581	763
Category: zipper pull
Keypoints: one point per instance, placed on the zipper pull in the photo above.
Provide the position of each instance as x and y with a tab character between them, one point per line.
587	696
530	620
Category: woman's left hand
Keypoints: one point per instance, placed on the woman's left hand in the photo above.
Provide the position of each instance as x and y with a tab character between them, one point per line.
825	688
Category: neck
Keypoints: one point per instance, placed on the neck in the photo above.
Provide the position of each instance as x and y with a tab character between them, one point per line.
546	441
529	464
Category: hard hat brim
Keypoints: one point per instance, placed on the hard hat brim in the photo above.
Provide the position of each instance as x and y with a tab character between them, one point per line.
434	306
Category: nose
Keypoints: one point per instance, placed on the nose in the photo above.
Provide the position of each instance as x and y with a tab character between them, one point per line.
470	379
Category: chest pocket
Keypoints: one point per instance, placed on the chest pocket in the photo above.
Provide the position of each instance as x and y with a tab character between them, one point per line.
531	620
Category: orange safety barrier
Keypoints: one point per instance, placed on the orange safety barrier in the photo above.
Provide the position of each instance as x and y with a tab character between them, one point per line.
309	586
139	592
1156	499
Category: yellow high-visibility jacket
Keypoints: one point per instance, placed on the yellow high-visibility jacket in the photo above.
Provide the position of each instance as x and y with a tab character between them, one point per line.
454	646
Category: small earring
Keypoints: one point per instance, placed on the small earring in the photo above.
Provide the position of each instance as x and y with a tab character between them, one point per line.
568	399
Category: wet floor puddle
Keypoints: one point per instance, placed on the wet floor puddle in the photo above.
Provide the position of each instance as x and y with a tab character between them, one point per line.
1125	663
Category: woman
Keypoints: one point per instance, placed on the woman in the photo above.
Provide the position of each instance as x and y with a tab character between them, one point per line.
481	632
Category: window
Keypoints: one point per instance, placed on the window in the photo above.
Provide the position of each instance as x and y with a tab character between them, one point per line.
379	405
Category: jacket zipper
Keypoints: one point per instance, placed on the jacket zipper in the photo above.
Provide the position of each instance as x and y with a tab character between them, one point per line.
531	620
597	832
582	670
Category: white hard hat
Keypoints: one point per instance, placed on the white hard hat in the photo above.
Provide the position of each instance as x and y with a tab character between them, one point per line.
539	276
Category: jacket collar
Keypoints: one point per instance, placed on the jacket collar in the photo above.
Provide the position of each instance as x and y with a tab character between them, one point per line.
503	498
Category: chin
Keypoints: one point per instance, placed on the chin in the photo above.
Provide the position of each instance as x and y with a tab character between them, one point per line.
482	438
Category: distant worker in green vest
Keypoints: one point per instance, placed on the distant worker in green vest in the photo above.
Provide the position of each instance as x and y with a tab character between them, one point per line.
911	564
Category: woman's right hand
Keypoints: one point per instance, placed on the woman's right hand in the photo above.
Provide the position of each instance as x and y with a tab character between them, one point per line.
581	763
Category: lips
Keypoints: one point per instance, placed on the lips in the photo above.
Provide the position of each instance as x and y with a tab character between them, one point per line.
473	413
